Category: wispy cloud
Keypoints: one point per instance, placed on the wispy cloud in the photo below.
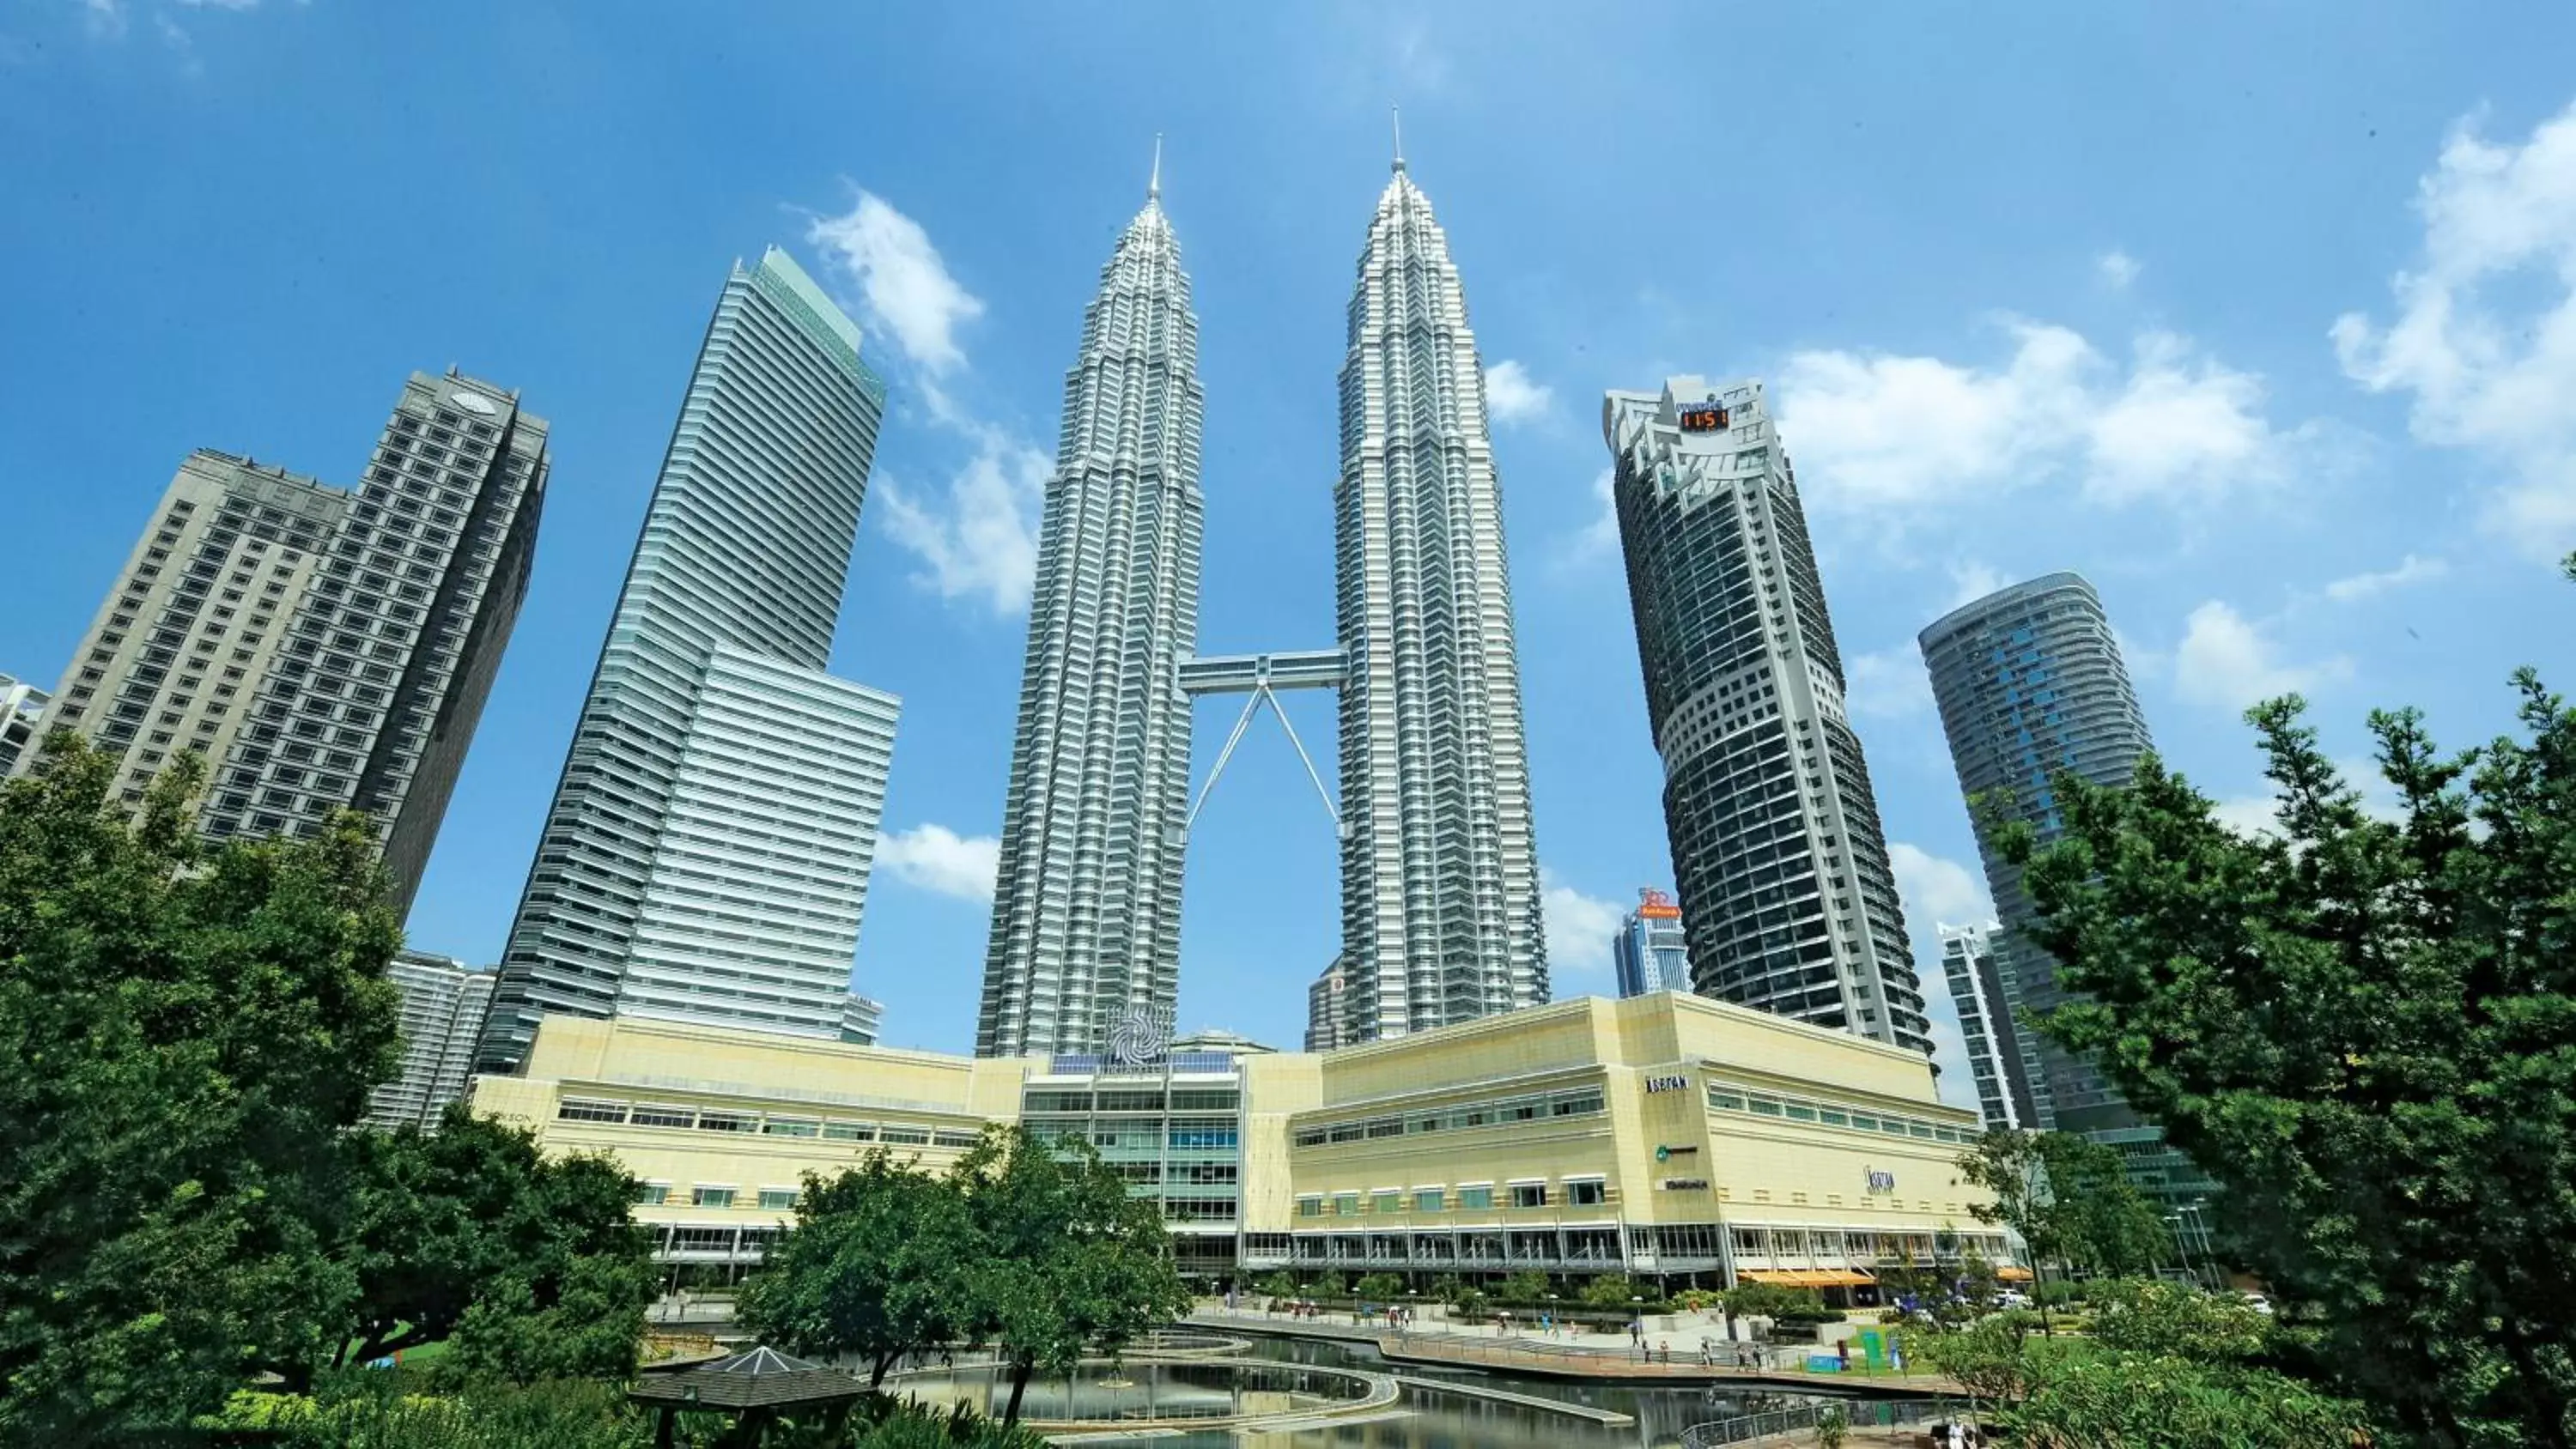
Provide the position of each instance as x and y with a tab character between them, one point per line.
1888	683
2485	334
903	284
2231	662
1598	538
2409	570
975	531
938	859
1512	396
1937	891
1579	926
2118	269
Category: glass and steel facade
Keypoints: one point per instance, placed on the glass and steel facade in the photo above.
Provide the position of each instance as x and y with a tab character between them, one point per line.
443	1001
1440	901
21	706
1978	990
709	717
2031	687
1173	1129
392	650
1787	896
1650	951
1087	901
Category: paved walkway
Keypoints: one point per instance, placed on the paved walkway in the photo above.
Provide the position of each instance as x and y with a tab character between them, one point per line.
1591	1357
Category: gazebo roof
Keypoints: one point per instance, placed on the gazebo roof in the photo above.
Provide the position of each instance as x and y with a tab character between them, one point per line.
762	1378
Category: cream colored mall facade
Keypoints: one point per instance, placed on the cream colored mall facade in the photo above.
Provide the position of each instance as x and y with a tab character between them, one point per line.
1667	1136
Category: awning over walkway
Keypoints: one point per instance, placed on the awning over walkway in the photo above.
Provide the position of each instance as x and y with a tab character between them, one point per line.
2011	1274
1807	1277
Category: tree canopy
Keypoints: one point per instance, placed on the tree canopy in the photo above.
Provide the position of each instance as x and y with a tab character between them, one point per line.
2068	1200
1068	1262
187	1031
878	1263
442	1219
2365	1030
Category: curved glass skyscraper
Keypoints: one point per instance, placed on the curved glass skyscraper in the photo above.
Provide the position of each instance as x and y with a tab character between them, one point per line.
1087	905
1786	892
1440	913
707	853
2030	685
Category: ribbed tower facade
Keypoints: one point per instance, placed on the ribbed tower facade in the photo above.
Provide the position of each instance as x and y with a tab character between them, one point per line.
1440	913
1787	894
707	853
1087	903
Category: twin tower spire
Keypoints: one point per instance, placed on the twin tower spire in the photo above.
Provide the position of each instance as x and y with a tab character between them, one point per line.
1440	913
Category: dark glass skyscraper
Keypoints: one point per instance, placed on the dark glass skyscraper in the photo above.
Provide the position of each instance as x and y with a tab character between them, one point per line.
2031	687
1786	892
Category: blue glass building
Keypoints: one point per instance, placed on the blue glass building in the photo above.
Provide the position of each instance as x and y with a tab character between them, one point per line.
1650	951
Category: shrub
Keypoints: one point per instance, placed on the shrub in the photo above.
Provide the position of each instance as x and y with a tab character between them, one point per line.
1379	1287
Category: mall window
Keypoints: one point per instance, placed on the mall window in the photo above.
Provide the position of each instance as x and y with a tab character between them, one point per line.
789	1127
1426	1199
652	1194
1587	1192
909	1136
712	1197
574	1110
1529	1194
649	1116
952	1138
1346	1204
1389	1201
850	1131
1479	1198
778	1199
1310	1207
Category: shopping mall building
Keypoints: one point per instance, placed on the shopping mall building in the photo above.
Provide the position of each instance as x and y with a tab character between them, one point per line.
1667	1135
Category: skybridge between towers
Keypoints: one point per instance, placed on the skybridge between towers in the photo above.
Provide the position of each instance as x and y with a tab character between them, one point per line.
1260	677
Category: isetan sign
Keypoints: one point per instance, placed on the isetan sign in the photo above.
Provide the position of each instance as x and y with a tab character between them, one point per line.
1666	1084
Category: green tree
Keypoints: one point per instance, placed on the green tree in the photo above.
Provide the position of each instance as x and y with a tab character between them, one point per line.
440	1217
586	1324
1067	1260
1527	1286
879	1264
186	1031
2365	1031
1379	1287
1612	1290
2067	1199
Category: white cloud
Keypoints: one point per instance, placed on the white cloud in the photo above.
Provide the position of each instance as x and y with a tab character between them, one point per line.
1891	438
978	536
1579	927
940	860
104	19
2224	659
1971	581
1888	683
2118	268
1512	396
2409	570
903	285
2485	335
1937	891
1598	539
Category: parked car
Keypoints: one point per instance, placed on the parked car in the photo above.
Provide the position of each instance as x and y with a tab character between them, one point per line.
2012	1298
2259	1304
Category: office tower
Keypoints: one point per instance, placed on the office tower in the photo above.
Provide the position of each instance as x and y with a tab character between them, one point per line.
203	607
442	1013
1087	903
21	706
1977	988
2031	686
1786	893
1650	950
1324	1008
1440	912
706	854
391	652
862	1019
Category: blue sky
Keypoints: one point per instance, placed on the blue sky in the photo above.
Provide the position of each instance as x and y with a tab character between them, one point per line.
2262	321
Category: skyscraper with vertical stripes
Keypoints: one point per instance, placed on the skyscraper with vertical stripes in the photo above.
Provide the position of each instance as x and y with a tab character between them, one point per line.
1087	902
1440	900
706	857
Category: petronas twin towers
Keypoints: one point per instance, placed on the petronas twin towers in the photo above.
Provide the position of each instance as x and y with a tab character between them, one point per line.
1440	914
